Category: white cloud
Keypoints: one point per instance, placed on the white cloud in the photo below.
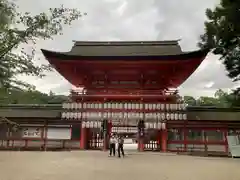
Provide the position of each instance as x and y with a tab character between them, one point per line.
135	20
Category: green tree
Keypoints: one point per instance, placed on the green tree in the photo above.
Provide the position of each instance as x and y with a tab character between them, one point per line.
15	96
207	101
191	101
18	29
222	35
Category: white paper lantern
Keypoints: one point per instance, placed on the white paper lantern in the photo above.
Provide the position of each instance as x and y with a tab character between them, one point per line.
176	106
163	116
170	107
84	105
84	115
155	125
99	124
136	106
150	125
73	106
63	115
67	105
176	116
162	106
146	125
184	116
168	116
180	106
71	115
87	124
83	124
180	116
91	124
163	126
104	115
67	115
129	105
75	115
167	107
64	105
94	124
79	115
121	105
150	106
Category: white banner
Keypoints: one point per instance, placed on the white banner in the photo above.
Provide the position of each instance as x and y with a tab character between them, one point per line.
59	133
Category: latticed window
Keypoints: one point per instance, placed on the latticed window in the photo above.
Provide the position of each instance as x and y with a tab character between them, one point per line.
214	135
175	134
195	135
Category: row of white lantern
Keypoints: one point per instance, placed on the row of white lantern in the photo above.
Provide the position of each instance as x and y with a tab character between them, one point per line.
149	106
99	115
91	124
97	124
153	125
124	129
166	116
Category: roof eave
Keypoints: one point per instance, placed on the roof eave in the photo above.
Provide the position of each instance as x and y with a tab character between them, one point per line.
184	56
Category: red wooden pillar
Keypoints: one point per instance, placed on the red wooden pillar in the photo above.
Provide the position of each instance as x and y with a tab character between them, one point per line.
141	144
110	126
141	141
105	141
106	137
225	140
164	135
185	138
159	138
83	137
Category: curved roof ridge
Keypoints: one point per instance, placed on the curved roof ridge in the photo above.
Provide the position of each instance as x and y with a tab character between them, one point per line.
182	56
126	43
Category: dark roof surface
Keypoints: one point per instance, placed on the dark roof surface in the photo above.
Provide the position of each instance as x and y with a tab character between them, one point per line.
125	48
144	56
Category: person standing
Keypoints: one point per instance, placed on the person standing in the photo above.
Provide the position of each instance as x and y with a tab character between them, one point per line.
112	143
120	146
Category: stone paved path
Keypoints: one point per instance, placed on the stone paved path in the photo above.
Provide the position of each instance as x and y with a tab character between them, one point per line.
95	165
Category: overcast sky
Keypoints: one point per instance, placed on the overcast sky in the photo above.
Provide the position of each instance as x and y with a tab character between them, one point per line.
127	20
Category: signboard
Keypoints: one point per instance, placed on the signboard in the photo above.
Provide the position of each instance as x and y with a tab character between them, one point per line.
59	133
32	132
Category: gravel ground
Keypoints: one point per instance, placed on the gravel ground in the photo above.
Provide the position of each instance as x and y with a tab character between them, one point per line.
95	165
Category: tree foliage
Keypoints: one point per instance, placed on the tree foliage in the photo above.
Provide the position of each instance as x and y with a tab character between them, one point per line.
220	99
18	29
222	35
30	97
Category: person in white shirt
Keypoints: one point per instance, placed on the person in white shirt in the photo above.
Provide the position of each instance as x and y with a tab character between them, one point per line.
112	144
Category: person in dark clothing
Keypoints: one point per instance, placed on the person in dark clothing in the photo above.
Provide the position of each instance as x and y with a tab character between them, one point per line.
120	146
112	144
